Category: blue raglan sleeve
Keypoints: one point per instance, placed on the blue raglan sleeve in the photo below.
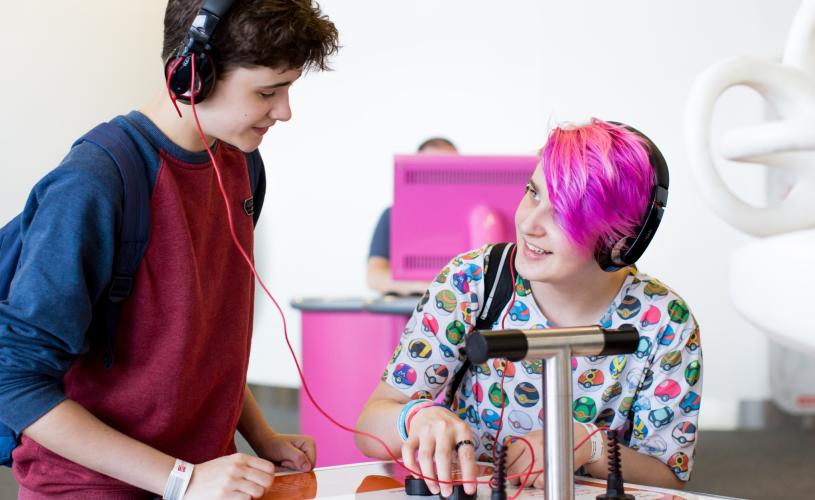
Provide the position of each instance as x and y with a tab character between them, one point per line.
69	230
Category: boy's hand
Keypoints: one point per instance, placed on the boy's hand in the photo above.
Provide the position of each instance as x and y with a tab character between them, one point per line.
292	451
237	476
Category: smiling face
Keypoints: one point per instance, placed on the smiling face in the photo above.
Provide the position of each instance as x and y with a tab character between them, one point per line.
545	252
245	103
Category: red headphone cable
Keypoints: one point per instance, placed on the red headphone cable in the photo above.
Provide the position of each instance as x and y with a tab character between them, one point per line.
251	266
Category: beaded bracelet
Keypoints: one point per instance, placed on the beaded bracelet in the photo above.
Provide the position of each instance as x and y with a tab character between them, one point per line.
401	421
416	409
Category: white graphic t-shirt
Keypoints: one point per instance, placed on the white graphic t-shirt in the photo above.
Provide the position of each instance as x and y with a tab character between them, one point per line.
651	396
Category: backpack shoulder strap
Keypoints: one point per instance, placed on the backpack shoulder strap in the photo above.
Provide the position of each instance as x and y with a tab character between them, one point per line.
498	290
257	181
11	245
497	285
134	232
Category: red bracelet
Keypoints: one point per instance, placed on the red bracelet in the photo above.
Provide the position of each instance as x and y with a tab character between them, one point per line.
416	409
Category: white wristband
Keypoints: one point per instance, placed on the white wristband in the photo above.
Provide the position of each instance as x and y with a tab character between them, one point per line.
596	441
178	481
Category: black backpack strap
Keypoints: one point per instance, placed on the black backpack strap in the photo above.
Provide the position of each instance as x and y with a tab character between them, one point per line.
257	181
498	287
134	232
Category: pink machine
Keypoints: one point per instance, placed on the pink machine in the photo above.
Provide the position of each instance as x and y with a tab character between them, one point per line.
345	350
446	205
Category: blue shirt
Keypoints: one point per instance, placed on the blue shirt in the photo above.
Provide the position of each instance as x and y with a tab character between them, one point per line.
70	226
381	241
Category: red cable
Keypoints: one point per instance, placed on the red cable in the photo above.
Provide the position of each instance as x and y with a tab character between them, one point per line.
251	265
581	443
501	421
592	433
277	306
501	418
514	289
528	473
173	98
504	372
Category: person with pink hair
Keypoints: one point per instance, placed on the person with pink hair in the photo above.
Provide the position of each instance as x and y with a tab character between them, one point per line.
589	210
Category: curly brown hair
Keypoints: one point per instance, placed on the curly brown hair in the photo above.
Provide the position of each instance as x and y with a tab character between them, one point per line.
280	34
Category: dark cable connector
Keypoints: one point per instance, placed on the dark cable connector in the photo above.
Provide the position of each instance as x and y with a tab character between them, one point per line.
416	487
615	490
498	483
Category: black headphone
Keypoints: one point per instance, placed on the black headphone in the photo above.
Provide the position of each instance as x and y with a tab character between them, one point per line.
627	251
196	45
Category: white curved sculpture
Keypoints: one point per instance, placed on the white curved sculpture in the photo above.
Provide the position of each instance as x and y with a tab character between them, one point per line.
776	300
773	293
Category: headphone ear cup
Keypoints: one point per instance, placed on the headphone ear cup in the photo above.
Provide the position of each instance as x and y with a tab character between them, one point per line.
603	260
179	74
610	256
625	252
205	76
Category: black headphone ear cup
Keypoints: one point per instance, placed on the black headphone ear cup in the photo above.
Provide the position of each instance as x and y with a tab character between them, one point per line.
179	73
190	71
627	251
205	76
608	256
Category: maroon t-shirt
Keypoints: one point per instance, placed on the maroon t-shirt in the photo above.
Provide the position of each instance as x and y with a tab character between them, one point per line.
183	340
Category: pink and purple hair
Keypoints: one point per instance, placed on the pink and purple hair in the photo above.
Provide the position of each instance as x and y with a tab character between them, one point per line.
599	179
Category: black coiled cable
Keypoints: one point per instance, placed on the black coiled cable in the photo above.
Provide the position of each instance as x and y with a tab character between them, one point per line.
498	483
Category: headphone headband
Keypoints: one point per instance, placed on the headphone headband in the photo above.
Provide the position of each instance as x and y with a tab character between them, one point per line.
205	22
628	250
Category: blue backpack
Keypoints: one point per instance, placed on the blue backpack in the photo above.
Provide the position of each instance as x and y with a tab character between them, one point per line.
134	235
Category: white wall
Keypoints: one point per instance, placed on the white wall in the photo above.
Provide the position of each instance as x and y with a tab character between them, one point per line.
491	76
67	65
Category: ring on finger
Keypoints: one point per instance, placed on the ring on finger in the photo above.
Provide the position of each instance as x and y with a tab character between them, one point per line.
464	442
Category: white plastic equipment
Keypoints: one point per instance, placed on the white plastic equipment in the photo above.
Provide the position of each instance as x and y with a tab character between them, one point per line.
772	278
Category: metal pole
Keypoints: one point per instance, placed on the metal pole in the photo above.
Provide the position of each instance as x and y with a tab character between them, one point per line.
558	441
555	346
